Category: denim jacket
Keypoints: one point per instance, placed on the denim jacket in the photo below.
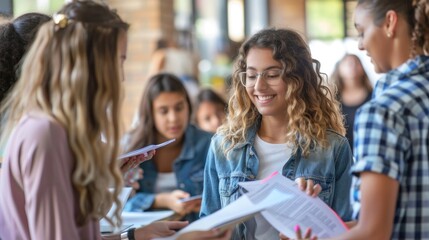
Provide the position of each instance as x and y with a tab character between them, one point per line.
188	168
329	167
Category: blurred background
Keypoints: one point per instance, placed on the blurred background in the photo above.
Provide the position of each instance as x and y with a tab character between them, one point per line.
212	31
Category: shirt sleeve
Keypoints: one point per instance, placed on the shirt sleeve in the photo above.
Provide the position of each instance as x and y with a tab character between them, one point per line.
46	167
343	181
381	143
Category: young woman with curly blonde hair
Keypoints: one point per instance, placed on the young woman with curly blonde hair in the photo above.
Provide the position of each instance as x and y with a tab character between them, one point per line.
281	117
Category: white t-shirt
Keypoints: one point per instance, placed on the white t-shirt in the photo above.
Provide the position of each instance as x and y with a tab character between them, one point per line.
272	157
165	182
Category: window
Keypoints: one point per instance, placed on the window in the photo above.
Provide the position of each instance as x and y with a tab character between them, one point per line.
44	6
325	19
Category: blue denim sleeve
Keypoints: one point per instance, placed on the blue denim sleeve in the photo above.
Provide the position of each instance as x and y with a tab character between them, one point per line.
343	180
211	199
139	202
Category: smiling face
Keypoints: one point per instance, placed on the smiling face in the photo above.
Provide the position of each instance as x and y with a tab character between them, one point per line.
268	99
171	115
373	39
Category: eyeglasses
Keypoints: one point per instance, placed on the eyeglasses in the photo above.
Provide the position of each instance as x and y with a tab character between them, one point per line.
271	76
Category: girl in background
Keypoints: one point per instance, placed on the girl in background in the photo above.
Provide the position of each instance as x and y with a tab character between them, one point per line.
354	89
210	110
176	171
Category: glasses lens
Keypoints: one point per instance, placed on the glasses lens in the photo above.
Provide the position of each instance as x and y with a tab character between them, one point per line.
274	73
242	76
271	77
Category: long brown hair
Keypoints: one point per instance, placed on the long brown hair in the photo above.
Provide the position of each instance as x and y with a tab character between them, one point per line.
339	81
311	107
144	132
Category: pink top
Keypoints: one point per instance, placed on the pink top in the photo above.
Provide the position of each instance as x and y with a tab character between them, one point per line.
37	199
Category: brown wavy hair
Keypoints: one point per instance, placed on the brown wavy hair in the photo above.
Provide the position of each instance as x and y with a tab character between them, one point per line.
420	34
311	107
72	73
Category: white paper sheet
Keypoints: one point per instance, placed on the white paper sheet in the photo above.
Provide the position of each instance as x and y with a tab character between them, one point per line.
123	196
236	212
300	209
145	149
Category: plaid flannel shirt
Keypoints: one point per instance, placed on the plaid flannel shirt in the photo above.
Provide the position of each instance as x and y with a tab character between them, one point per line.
392	138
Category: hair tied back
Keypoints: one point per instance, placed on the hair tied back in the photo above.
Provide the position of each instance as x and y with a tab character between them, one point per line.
60	20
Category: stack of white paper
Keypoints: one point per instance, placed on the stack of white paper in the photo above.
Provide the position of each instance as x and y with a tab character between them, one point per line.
281	203
300	209
236	212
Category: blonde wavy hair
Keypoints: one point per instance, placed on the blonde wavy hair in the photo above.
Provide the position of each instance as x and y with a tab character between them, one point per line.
72	73
311	106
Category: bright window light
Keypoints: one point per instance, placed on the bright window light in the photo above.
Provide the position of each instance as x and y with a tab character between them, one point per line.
236	20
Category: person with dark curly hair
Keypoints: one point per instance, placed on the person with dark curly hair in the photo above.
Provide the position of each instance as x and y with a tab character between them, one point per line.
15	38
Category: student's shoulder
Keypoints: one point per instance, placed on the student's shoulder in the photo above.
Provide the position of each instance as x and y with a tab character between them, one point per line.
335	138
40	124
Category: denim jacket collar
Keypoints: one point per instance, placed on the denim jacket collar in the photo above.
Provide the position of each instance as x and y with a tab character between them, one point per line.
250	134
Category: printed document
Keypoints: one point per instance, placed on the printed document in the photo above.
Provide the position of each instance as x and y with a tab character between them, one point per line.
300	209
236	212
280	201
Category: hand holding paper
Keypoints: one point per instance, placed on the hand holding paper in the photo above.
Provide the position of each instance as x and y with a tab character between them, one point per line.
189	199
301	209
240	210
134	158
146	149
172	200
133	161
192	204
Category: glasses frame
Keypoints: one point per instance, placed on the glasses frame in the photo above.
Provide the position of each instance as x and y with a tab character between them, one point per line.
259	75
